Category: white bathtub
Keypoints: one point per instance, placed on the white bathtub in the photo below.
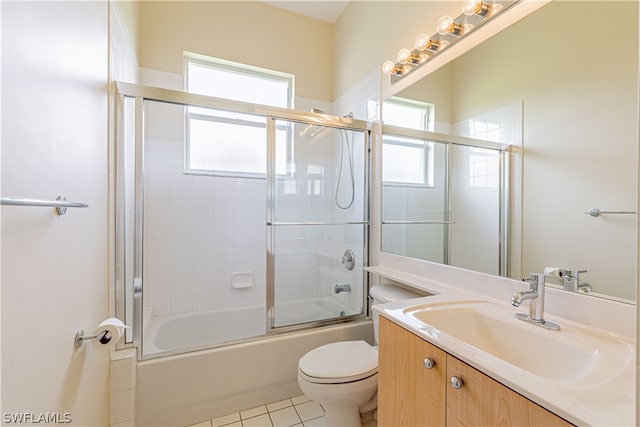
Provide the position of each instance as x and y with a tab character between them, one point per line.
188	388
203	329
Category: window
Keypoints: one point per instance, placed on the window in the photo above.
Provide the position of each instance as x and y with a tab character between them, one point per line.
233	144
408	113
407	161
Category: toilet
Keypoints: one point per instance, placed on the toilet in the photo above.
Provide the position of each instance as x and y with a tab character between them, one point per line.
343	376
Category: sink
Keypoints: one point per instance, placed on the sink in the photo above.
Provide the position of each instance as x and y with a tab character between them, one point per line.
573	355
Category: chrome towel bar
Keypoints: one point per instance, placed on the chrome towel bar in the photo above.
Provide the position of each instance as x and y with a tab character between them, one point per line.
60	203
275	224
594	212
416	222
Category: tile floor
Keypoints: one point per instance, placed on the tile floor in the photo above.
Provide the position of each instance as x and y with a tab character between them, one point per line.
299	411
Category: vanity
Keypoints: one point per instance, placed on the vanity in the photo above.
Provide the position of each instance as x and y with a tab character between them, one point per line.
458	357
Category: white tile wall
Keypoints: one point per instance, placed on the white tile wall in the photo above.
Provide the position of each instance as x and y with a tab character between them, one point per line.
198	229
122	369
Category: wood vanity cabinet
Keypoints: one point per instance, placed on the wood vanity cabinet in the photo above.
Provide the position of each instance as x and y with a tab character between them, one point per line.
414	391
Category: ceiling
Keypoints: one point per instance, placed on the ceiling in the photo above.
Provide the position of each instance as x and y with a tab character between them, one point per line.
327	10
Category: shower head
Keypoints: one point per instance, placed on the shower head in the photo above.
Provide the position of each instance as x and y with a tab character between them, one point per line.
310	131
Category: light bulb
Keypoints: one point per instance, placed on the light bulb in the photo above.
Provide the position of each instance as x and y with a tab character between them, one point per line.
444	24
476	7
404	55
447	26
388	67
422	40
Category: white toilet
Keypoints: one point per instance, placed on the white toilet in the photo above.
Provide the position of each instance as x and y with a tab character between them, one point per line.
343	376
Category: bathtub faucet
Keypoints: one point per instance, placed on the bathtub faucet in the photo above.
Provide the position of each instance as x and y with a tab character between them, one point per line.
342	288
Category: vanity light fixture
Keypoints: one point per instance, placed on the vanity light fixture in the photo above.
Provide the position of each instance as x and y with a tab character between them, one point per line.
449	30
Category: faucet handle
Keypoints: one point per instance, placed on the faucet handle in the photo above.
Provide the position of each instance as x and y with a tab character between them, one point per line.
576	273
535	279
571	273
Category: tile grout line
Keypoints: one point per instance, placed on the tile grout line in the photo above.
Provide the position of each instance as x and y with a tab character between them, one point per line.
268	412
298	413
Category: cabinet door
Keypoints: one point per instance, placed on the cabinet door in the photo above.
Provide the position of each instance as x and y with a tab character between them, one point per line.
482	401
409	394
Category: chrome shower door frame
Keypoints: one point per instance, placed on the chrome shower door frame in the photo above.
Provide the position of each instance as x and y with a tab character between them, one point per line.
340	123
141	94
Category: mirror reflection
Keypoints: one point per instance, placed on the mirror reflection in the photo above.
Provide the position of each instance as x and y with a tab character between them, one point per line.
566	96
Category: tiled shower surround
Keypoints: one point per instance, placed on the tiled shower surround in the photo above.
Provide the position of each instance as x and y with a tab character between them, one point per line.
202	231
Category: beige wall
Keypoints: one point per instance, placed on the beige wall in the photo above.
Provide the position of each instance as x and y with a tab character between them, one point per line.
54	269
247	32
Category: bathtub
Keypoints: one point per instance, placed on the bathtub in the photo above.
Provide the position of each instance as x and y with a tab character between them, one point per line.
191	387
202	329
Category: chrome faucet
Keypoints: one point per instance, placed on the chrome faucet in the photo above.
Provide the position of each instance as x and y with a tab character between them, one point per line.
342	288
535	293
571	280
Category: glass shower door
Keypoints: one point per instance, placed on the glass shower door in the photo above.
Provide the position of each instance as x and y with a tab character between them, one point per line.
416	214
317	223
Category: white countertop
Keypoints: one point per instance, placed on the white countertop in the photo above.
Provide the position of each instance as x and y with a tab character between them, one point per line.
609	401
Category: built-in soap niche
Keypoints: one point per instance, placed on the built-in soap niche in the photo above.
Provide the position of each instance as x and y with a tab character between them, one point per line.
242	280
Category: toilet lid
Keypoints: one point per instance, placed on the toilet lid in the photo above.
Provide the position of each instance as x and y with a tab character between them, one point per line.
345	360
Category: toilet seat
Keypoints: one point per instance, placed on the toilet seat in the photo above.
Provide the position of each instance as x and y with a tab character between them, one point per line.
339	362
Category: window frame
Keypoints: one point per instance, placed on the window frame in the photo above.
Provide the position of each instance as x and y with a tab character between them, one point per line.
243	69
428	147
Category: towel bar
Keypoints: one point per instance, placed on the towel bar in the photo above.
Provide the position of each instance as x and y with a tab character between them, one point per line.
60	203
594	212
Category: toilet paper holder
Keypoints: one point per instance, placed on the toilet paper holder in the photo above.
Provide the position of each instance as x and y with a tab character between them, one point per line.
106	334
104	337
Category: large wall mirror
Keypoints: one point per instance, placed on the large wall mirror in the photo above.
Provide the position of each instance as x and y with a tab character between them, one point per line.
562	86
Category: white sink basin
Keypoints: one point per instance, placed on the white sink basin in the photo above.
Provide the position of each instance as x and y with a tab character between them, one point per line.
573	355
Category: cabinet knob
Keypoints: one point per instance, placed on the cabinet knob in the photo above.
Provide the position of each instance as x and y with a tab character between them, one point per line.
455	382
429	363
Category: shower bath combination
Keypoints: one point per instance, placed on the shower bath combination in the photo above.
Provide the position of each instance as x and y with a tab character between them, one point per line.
185	234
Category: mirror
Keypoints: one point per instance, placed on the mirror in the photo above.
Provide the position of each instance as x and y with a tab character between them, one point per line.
567	86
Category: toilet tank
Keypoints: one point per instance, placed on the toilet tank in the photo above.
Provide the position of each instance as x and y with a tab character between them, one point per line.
388	293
